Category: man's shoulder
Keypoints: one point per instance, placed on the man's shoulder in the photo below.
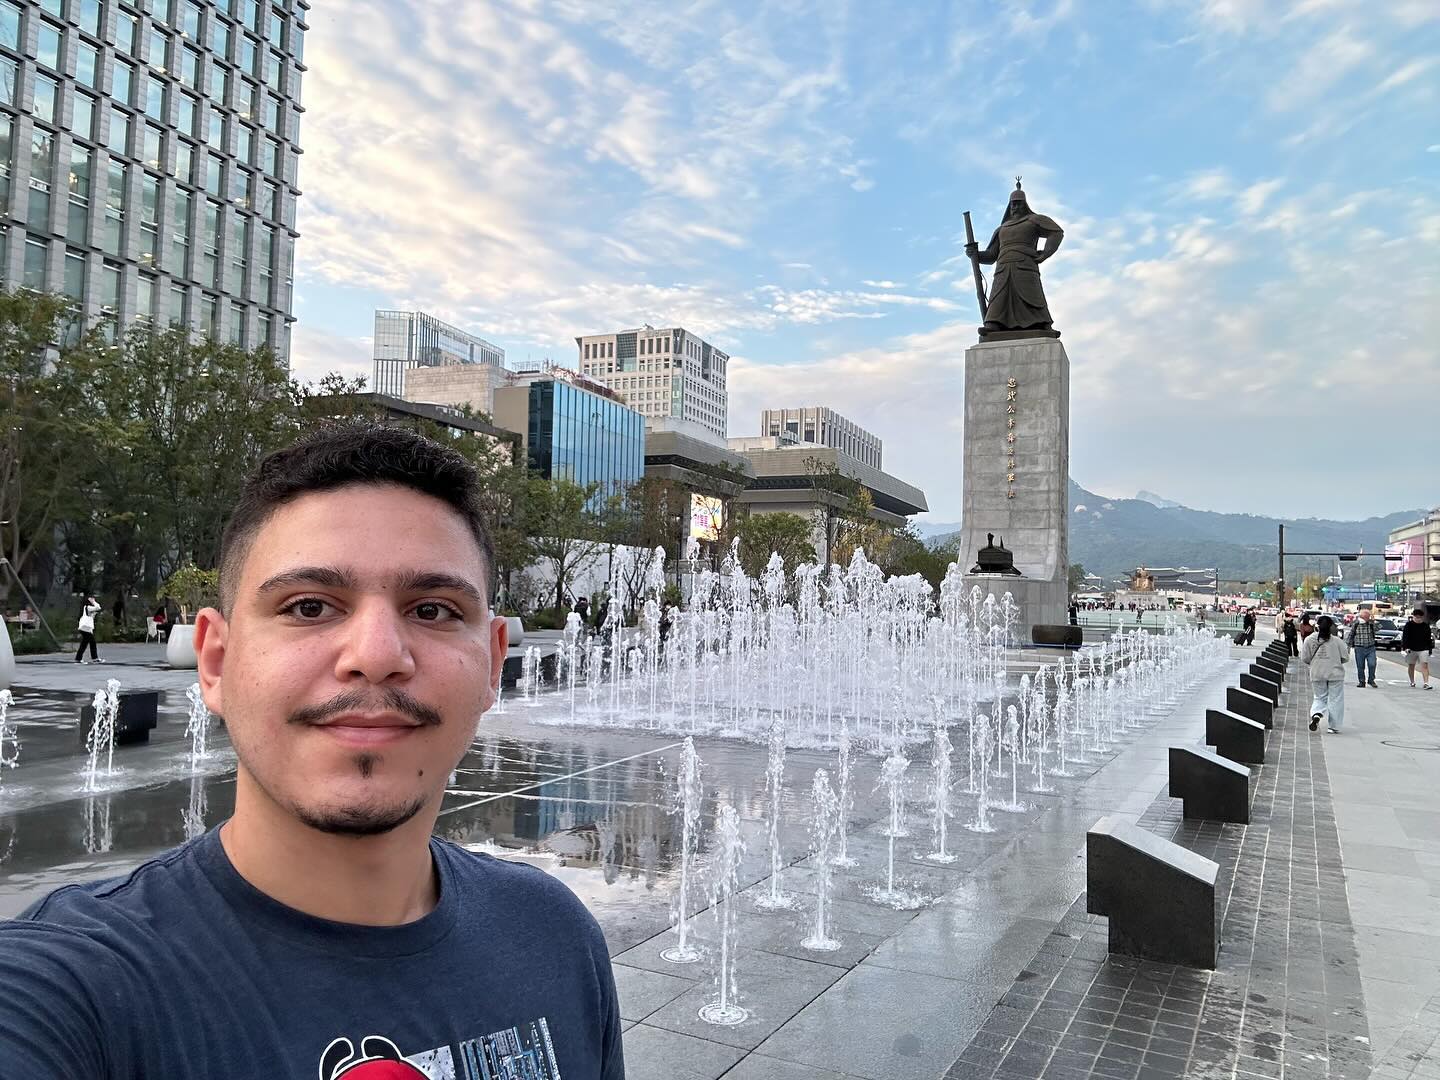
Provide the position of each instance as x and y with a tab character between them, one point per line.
82	904
527	890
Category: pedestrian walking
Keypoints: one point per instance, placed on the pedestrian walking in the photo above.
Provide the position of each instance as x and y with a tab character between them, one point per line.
1248	623
1418	641
1305	629
582	608
1362	641
1325	654
1291	636
86	627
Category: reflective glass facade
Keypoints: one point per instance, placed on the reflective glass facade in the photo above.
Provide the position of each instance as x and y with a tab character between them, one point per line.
410	339
584	437
149	156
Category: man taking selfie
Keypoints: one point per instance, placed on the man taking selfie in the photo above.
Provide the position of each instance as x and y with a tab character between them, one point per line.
322	930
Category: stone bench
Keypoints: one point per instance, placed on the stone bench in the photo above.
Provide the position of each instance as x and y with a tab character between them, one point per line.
1158	896
1057	635
1251	705
1235	737
1278	652
135	719
1258	685
1209	786
1275	667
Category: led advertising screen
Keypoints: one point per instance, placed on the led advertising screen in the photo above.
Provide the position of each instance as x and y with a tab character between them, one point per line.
1412	557
707	517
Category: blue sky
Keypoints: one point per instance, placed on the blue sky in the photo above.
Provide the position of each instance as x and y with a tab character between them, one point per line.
1249	290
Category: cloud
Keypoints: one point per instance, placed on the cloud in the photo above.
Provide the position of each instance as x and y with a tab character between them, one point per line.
881	284
316	353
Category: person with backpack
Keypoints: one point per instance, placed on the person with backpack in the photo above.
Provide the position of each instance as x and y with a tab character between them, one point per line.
1291	636
1248	624
1418	641
87	631
1325	653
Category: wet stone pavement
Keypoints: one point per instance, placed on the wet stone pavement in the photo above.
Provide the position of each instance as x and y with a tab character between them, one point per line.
1285	999
910	994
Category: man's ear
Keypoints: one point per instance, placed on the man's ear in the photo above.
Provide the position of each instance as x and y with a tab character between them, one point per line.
211	630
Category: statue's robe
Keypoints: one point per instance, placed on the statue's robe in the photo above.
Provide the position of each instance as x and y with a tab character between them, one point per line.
1017	301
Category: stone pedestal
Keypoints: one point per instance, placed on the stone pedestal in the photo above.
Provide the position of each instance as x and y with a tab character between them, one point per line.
1029	512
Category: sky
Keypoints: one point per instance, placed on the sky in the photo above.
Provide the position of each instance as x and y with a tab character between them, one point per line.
1248	289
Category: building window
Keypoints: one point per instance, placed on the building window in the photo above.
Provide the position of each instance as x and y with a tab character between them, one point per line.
127	33
112	279
155	100
185	116
216	134
179	306
190	20
219	85
146	298
219	37
190	68
6	149
42	177
47	97
115	180
180	235
74	286
210	316
82	167
10	25
37	253
122	83
47	47
149	218
8	70
87	63
119	141
214	176
184	161
83	116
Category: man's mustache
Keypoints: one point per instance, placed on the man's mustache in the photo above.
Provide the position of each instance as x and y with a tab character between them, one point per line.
391	699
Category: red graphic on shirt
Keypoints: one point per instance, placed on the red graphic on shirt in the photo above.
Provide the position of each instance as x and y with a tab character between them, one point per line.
379	1059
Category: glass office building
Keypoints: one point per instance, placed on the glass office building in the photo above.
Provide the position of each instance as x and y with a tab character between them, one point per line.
149	157
584	437
411	339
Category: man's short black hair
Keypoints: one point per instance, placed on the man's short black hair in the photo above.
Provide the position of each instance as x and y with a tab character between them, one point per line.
336	456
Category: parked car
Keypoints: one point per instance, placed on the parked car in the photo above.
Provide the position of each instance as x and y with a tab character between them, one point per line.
1387	634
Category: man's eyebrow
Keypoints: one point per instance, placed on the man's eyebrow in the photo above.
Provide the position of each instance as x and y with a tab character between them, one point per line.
326	577
432	580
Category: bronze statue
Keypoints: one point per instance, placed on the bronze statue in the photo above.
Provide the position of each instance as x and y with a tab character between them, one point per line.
1016	307
994	558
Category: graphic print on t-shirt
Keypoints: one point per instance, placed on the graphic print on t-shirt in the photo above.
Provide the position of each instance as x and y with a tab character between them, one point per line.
523	1052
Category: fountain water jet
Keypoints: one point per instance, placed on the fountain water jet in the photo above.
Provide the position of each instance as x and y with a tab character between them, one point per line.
687	797
198	727
940	761
729	850
823	826
776	899
100	740
842	858
9	737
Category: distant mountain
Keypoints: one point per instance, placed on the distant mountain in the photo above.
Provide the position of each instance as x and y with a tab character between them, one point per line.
1156	500
1111	537
929	530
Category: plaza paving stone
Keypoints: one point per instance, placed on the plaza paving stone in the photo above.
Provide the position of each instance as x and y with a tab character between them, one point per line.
1327	931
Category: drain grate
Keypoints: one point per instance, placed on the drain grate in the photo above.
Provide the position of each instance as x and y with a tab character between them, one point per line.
1410	746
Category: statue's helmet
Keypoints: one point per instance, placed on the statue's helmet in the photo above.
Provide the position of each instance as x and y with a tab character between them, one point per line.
1017	205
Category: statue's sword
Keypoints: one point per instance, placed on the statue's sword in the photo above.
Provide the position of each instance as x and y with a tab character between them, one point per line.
975	266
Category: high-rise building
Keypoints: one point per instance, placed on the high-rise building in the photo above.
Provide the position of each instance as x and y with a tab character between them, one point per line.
413	339
574	428
668	372
823	427
149	152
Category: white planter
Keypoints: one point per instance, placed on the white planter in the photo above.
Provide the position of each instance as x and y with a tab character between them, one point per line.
7	659
516	630
180	649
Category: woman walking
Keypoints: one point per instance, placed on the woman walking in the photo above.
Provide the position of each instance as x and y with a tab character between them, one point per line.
1325	653
87	631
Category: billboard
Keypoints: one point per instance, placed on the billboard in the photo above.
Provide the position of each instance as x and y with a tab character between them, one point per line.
1411	558
707	518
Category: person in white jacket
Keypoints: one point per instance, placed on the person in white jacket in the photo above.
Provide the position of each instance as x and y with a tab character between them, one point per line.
1325	653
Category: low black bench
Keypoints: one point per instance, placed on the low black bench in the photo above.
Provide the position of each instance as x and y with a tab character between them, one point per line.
513	672
1258	685
1235	737
1158	896
1276	669
1250	704
1209	786
1278	652
135	719
1057	635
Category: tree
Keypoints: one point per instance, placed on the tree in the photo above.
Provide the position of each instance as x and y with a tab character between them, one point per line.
561	527
785	534
1312	587
835	494
1076	577
44	427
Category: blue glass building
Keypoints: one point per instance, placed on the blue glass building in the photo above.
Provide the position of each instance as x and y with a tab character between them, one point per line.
583	436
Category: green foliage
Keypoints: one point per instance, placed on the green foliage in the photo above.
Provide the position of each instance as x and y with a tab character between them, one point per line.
788	535
1077	577
192	588
31	643
560	527
671	596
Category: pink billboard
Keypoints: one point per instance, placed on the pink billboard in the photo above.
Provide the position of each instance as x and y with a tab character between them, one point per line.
1411	556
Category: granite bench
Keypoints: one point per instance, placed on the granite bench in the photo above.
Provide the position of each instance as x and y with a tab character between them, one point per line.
1235	737
1209	786
134	720
1250	704
1257	684
1159	897
1275	669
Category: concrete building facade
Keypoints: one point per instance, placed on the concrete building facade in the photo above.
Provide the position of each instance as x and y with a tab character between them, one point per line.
457	385
823	427
149	159
670	372
406	340
1412	558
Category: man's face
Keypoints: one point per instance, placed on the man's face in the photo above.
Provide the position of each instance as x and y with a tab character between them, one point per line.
1365	614
357	658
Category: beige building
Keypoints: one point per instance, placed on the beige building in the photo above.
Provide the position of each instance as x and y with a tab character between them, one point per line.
1417	567
457	385
661	373
823	427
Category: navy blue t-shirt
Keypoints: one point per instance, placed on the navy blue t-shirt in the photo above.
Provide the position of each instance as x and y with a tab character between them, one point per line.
183	969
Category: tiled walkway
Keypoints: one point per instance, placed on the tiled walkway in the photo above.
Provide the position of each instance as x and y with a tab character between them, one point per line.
1286	999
